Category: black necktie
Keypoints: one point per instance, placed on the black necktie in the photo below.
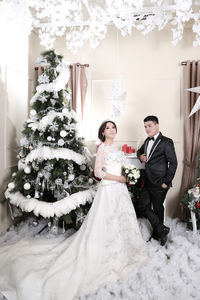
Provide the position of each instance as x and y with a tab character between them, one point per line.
151	139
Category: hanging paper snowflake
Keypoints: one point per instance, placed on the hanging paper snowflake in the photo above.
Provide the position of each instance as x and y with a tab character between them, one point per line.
117	98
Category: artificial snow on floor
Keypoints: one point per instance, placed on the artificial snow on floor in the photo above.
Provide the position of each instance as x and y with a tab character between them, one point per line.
172	272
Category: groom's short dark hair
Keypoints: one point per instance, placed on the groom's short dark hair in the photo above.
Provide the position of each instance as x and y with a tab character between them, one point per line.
152	118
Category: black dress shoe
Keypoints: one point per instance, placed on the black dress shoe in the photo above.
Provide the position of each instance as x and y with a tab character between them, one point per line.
163	239
164	234
166	228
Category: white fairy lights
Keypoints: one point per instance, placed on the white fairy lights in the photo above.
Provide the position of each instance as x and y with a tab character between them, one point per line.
88	20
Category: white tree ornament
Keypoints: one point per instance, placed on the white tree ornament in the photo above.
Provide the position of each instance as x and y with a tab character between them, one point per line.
27	186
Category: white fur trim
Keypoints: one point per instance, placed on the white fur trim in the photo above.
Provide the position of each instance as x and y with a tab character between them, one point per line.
47	153
57	85
46	209
48	119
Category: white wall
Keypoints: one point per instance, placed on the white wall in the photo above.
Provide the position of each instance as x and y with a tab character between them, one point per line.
152	77
13	97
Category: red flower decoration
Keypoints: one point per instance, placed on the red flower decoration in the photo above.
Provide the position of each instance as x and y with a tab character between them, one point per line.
197	204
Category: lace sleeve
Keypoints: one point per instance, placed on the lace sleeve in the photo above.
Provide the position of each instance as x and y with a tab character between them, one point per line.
99	163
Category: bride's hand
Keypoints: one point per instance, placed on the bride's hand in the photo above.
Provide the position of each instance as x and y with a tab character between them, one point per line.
122	179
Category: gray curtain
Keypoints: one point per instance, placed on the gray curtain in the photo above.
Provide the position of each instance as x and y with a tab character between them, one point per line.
191	130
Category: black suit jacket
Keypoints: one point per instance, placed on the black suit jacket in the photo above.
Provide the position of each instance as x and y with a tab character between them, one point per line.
162	162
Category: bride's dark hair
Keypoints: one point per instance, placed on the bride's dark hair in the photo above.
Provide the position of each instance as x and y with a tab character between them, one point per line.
102	128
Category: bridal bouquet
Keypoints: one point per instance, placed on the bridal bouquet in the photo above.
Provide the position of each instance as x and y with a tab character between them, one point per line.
132	174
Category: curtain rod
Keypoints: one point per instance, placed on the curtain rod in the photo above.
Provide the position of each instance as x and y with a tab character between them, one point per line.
78	64
184	63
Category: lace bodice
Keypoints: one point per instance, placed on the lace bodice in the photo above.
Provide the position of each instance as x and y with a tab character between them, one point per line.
108	160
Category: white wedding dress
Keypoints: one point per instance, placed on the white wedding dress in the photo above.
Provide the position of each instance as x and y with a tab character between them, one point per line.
106	248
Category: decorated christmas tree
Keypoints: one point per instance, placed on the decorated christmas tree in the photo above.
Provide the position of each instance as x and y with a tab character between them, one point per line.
53	179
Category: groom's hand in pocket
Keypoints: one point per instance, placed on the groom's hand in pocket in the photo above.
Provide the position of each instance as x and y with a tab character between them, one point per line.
143	158
164	186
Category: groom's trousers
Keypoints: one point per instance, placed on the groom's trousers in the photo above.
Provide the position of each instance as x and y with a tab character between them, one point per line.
150	205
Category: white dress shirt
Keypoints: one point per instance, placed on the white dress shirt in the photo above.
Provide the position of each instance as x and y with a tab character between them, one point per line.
150	144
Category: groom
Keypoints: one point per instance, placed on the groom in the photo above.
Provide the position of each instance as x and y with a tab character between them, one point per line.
160	160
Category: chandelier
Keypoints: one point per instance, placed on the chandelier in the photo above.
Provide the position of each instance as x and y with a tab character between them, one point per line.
88	20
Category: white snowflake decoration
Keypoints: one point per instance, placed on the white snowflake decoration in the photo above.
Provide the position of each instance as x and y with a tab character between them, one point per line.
117	98
43	78
88	20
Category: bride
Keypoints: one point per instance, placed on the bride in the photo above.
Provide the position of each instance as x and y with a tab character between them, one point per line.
107	247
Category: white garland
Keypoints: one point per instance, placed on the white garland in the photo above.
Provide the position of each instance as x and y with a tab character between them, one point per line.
48	153
48	119
46	209
58	84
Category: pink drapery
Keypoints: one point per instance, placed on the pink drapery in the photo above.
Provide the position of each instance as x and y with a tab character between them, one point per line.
78	85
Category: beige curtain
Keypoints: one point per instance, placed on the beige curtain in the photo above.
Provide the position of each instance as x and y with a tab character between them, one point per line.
78	85
191	129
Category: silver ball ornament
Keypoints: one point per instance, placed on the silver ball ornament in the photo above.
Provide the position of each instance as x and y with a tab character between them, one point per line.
54	229
27	186
61	142
33	112
27	170
71	177
11	185
63	133
83	167
65	111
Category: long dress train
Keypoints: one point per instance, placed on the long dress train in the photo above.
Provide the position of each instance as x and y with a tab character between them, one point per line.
107	247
